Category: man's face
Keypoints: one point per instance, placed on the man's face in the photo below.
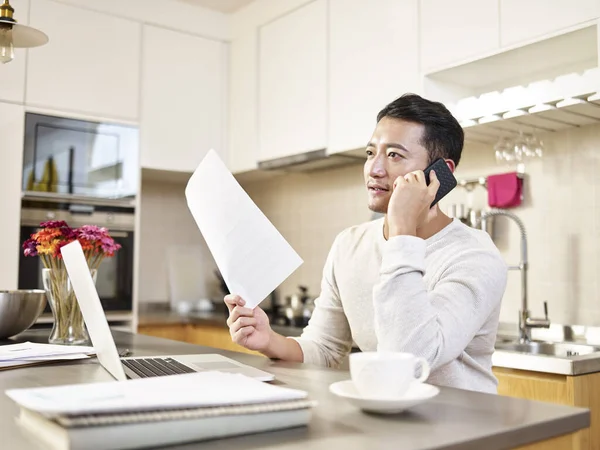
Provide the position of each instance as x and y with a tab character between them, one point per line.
394	150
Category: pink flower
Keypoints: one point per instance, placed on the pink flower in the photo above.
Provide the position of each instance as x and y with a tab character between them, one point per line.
109	246
54	224
30	248
91	232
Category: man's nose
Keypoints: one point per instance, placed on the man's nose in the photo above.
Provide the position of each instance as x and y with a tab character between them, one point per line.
378	168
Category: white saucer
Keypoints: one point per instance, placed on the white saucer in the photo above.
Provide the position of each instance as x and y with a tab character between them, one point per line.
418	393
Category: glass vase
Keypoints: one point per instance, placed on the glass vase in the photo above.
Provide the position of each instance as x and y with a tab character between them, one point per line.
69	327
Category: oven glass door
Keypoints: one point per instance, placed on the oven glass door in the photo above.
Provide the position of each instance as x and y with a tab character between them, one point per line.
114	280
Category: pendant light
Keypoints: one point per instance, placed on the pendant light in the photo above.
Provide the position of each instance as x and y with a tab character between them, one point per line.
14	35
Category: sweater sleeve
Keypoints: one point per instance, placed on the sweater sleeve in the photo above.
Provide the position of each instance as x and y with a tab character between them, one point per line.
439	324
327	338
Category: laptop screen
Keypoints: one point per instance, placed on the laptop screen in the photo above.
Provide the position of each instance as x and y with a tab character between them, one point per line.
91	308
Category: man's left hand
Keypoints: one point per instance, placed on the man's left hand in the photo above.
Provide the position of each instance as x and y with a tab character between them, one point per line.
410	203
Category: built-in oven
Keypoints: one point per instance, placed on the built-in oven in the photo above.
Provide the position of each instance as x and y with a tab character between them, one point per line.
115	275
85	173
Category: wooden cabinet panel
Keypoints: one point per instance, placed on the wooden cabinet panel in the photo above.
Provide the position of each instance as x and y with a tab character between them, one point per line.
217	337
581	391
543	387
206	335
176	332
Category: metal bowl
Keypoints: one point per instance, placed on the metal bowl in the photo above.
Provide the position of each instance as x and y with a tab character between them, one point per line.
19	310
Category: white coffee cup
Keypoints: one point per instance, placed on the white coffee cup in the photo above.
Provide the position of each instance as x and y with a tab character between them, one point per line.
386	374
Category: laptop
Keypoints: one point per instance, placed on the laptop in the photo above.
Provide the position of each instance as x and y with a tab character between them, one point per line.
123	368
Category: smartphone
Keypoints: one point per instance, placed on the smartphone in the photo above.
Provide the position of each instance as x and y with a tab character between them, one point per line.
445	177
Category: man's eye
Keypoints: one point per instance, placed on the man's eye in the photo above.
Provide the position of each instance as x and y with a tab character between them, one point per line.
394	155
369	153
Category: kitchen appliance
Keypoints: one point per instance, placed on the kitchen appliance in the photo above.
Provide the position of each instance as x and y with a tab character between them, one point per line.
77	158
115	275
294	311
313	160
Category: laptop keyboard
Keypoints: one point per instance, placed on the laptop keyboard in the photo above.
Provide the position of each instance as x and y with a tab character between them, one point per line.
155	367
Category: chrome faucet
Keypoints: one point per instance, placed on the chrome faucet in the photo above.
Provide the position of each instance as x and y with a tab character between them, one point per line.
526	323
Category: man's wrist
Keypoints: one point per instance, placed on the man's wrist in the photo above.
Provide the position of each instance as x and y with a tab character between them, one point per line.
403	230
272	350
284	348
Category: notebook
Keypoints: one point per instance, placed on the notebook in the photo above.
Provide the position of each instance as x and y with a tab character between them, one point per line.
152	412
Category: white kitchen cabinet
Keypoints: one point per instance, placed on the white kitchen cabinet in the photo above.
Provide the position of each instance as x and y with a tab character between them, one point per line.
453	31
91	63
292	82
11	154
184	81
523	20
12	74
369	66
243	106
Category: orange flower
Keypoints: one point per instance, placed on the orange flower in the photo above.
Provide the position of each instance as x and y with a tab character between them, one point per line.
46	235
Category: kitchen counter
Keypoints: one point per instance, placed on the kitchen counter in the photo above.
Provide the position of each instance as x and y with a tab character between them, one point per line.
161	314
455	419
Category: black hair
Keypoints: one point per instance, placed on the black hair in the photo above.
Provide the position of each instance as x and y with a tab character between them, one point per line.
443	137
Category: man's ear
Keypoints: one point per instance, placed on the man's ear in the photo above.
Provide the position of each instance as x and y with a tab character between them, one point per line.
450	165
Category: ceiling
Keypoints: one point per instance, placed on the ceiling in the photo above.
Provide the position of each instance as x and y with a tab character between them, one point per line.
224	6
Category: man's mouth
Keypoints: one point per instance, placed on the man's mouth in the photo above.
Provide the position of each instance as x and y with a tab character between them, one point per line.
378	189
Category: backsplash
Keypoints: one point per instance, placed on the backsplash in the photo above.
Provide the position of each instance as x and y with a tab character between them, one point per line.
166	223
561	218
309	209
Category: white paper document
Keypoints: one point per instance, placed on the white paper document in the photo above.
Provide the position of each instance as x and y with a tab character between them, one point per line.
200	389
252	256
34	351
4	365
28	353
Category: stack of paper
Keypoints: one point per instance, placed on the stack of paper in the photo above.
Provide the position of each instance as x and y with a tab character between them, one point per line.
160	411
27	353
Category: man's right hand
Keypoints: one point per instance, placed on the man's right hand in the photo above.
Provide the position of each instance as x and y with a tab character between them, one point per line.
248	327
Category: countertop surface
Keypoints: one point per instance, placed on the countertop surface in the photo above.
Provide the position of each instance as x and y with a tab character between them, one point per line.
160	314
455	419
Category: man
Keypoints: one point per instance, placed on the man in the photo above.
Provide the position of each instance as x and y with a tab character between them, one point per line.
414	281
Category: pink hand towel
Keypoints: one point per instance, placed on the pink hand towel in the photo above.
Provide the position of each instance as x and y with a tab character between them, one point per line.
504	190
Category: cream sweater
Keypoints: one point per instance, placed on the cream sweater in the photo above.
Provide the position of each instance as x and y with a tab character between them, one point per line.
438	298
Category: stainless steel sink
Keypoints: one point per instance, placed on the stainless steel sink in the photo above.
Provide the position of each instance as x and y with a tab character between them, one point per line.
559	349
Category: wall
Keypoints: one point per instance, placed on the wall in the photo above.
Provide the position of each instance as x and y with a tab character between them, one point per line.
11	156
561	217
559	212
309	209
166	222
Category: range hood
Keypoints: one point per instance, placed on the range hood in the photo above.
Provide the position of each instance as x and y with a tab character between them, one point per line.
310	161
